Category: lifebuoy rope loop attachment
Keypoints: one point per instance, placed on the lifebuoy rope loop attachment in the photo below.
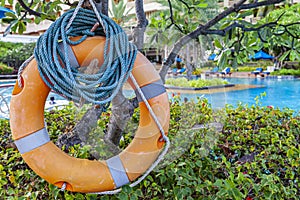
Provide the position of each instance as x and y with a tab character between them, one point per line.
21	68
63	187
58	66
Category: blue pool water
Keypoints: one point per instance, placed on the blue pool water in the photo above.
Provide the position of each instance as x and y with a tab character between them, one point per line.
6	88
279	93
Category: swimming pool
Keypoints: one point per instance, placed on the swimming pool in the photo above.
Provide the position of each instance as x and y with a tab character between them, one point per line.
279	93
6	88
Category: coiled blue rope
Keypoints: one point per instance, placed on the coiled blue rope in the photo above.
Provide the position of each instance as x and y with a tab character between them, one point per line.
54	64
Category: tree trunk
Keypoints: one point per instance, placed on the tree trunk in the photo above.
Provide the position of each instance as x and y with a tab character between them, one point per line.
122	108
139	30
189	66
80	132
195	53
89	121
104	9
166	52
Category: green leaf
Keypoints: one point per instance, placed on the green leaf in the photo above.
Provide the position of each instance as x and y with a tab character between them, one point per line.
218	44
222	61
282	58
246	13
237	194
10	15
123	196
192	149
21	27
294	55
202	5
219	183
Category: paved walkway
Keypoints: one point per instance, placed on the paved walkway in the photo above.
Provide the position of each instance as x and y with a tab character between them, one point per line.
237	75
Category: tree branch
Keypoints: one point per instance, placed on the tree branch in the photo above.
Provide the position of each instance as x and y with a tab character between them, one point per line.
172	19
187	5
142	21
67	2
223	32
204	29
200	30
29	10
259	4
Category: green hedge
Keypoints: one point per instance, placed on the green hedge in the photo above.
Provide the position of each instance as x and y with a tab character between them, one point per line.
14	54
4	69
198	83
282	72
255	155
248	69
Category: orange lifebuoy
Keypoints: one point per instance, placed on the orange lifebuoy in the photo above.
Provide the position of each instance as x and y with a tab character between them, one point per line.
82	175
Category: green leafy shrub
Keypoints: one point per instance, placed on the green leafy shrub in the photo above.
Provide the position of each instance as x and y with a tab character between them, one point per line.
247	68
14	54
4	69
198	83
282	72
251	66
5	46
255	155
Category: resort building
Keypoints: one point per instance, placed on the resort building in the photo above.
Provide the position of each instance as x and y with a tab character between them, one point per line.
150	7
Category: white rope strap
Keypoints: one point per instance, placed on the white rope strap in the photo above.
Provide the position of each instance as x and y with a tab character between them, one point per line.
164	136
63	187
79	5
4	99
21	69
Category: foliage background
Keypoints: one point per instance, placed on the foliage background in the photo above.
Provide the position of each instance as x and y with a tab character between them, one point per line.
255	155
14	54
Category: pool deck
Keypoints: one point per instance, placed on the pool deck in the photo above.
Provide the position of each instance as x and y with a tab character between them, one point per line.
220	88
249	75
5	77
216	90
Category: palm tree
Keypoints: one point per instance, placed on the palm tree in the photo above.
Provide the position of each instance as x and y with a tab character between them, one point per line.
119	13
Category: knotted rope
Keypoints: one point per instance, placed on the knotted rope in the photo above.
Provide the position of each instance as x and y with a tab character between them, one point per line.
54	63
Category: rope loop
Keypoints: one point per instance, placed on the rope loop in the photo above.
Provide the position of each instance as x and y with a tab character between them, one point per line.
51	53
